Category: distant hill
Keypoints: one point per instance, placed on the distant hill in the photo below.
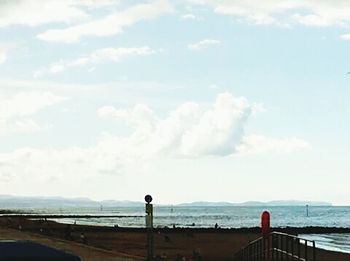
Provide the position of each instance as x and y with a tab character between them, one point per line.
297	203
259	203
7	201
121	203
206	204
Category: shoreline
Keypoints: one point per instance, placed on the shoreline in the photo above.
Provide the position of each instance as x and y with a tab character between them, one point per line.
288	229
214	244
255	229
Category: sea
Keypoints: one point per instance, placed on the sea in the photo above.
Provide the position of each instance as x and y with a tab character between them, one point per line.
225	217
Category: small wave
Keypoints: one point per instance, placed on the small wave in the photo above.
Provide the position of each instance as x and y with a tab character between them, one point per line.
333	242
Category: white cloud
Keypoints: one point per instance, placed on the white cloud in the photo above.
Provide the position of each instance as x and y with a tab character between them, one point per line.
203	44
11	87
5	48
284	12
345	36
109	25
37	12
189	17
258	108
191	130
3	56
194	131
257	144
16	110
18	126
96	57
29	163
26	103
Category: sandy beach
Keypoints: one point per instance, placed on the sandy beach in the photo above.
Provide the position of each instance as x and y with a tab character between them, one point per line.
108	243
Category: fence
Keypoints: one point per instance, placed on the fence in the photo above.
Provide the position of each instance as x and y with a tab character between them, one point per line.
278	246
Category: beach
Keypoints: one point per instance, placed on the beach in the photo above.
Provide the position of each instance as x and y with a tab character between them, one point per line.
110	243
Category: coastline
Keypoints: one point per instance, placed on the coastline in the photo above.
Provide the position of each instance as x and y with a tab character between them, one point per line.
213	244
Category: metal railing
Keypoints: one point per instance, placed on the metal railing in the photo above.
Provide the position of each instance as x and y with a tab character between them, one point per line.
278	246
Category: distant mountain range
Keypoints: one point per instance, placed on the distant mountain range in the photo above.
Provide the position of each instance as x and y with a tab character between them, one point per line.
60	202
259	203
7	201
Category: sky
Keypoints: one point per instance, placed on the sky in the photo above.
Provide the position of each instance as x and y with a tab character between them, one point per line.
186	100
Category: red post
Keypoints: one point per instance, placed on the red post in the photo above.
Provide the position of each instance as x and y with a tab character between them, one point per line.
265	230
265	224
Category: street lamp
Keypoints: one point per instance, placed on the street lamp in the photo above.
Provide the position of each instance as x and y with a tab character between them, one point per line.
149	226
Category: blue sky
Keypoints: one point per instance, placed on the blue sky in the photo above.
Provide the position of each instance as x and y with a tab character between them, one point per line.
185	100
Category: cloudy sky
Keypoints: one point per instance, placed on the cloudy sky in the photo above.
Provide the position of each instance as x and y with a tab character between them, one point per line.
186	100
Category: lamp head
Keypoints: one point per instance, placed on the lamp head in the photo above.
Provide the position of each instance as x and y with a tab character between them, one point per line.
148	198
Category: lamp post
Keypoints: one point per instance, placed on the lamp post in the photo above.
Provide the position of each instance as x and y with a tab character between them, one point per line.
149	226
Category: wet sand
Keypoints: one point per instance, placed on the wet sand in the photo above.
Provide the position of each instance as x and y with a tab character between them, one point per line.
106	243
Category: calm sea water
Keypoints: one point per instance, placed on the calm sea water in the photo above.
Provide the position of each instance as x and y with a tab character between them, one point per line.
226	217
